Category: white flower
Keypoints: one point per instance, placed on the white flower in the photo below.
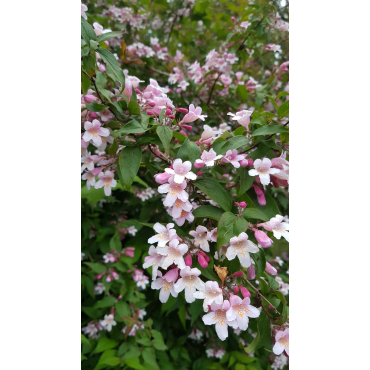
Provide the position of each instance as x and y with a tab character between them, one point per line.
173	254
210	352
189	281
99	288
220	353
94	132
165	286
165	234
282	342
108	322
107	181
211	292
141	315
181	171
174	191
201	235
263	170
278	227
240	246
241	310
132	230
154	259
208	158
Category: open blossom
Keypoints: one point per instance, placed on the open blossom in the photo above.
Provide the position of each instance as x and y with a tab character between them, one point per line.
154	259
173	254
278	227
93	132
208	158
181	171
245	24
180	206
165	234
263	169
108	322
233	158
208	134
105	115
141	279
174	191
282	342
83	10
210	293
166	286
242	117
201	236
132	230
92	329
218	318
189	281
240	246
88	161
241	310
193	114
273	47
185	215
109	258
99	288
107	180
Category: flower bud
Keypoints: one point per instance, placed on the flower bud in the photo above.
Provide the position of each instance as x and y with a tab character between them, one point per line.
236	289
270	269
176	141
172	275
183	133
262	238
236	204
161	178
251	272
242	205
137	91
202	261
199	173
89	98
237	274
231	44
244	163
187	127
233	19
171	116
188	260
245	292
150	113
168	112
198	165
182	110
250	161
260	195
152	104
101	68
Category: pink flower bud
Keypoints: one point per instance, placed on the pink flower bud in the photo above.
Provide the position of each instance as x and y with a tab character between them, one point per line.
137	91
161	178
171	116
242	205
172	275
270	307
98	276
92	115
250	161
237	274
205	256
202	261
150	113
270	269
262	238
231	44
188	260
236	204
176	141
251	272
233	19
168	112
198	165
236	289
183	133
187	127
152	104
260	195
89	98
101	68
245	292
182	110
244	163
199	173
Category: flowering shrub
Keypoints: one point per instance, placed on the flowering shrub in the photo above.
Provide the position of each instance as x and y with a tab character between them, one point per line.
185	169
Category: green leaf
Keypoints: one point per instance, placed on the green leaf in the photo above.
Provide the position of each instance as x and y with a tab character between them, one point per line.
165	134
260	262
109	35
239	131
108	358
133	107
134	363
87	32
128	165
96	107
123	309
260	152
234	143
263	337
196	309
158	340
105	302
228	227
104	344
111	61
140	181
208	212
132	127
246	181
189	151
180	137
144	341
264	287
285	307
85	340
255	213
96	267
283	110
242	92
282	93
269	129
215	191
272	101
258	118
270	209
182	316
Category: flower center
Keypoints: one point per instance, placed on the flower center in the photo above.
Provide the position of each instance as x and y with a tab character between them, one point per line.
241	310
166	285
220	317
284	341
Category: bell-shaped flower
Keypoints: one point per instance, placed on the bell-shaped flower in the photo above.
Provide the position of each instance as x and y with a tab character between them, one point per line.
185	215
93	132
241	310
179	206
208	158
282	342
174	191
181	171
173	253
218	316
189	281
278	227
242	117
154	259
201	236
108	322
240	246
166	287
165	234
107	180
210	293
88	161
263	169
208	134
233	157
193	114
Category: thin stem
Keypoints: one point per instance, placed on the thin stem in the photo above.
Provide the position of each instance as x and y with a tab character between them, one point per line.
242	44
213	86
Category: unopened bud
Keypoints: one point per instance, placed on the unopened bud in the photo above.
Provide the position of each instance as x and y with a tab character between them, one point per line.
171	116
137	91
237	274
236	289
101	68
151	103
231	44
182	110
183	133
236	204
244	163
150	113
262	238
89	98
168	112
250	161
270	269
187	127
161	178
188	260
199	173
242	205
198	165
251	272
176	141
202	261
245	292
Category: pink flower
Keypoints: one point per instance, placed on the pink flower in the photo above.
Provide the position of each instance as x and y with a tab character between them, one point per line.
166	288
109	258
273	47
154	259
94	132
165	234
189	281
201	236
263	169
260	195
98	29
107	180
180	206
162	178
108	322
208	158
282	342
251	272
233	158
218	316
277	226
270	269
129	251
173	254
105	115
240	246
242	117
174	191
210	293
88	161
141	279
83	10
241	310
185	215
181	171
208	134
245	24
262	238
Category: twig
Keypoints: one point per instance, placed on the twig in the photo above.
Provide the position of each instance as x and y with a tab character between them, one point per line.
213	86
241	47
232	186
165	160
